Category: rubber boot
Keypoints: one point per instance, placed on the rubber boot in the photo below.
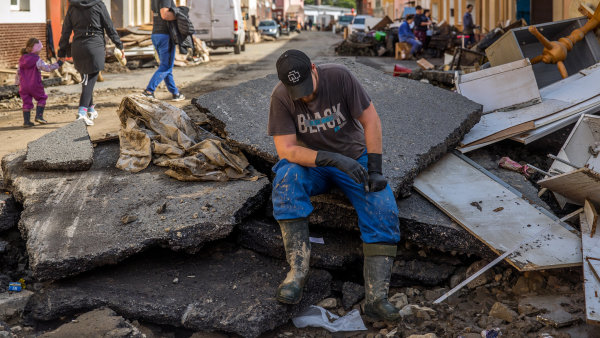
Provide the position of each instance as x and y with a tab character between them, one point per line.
39	115
27	119
297	252
379	259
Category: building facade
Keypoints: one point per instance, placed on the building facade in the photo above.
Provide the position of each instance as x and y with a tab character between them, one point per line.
19	21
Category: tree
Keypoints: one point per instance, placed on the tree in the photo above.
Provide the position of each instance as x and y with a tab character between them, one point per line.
338	3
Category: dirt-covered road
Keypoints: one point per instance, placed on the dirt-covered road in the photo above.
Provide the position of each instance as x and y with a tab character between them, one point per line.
225	69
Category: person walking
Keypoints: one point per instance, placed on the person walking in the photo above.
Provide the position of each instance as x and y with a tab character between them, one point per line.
469	26
29	80
88	20
327	133
165	48
421	24
405	34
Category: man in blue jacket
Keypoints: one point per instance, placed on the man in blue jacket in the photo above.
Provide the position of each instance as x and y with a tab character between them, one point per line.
405	34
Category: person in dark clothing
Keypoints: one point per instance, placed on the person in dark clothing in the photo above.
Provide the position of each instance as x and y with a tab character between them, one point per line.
469	26
165	47
421	23
88	20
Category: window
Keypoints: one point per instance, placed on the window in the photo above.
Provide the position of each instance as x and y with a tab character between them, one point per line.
19	5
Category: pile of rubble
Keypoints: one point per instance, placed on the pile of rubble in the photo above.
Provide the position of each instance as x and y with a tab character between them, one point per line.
213	255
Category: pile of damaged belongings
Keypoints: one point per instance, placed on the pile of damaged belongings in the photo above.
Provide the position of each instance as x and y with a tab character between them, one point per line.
532	102
218	254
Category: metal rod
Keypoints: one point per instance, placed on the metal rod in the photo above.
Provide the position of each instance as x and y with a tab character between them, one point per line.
563	161
539	170
486	268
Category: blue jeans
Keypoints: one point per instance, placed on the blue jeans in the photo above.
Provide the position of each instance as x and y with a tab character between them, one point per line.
416	44
294	184
166	54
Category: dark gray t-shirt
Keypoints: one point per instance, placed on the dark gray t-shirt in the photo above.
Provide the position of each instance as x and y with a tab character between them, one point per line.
329	122
159	26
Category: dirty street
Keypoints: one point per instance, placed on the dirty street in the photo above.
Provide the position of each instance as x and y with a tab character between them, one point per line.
299	168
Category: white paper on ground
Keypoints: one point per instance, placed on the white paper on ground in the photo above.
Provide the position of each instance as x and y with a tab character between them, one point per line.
317	316
318	240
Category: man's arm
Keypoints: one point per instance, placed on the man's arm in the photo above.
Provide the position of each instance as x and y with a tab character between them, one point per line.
288	148
167	14
372	126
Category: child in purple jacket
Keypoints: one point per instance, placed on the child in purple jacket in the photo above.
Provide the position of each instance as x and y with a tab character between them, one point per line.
29	80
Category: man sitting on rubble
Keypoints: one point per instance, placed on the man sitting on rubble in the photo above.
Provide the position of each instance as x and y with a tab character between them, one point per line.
405	34
327	132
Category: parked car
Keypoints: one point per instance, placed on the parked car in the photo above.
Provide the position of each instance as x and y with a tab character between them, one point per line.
270	28
344	21
219	23
363	23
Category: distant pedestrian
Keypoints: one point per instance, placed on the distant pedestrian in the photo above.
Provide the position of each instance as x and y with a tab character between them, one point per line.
405	34
88	20
469	26
165	47
29	80
421	23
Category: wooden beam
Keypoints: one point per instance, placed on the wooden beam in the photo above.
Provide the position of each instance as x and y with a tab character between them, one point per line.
591	215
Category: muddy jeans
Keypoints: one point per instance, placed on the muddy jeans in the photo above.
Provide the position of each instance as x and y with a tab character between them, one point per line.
294	184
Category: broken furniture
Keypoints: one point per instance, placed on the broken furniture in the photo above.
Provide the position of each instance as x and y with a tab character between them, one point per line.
581	150
556	52
511	85
562	104
519	43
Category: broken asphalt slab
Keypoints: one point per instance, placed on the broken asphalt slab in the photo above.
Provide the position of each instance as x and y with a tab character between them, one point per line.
9	213
67	148
75	221
341	250
420	122
421	223
222	288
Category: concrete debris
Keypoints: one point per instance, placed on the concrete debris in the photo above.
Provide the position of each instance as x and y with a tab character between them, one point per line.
341	250
352	293
233	291
72	221
67	148
9	214
503	312
12	304
102	322
414	139
485	278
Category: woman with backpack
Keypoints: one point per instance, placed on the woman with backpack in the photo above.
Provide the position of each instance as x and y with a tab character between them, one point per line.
88	20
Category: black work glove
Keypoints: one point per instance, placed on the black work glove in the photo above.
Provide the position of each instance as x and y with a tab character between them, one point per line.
344	163
376	180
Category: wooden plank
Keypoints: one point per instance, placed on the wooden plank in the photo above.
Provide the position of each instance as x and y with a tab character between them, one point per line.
590	247
459	189
496	122
576	185
591	215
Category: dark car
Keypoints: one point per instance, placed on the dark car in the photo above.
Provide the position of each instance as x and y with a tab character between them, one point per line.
270	28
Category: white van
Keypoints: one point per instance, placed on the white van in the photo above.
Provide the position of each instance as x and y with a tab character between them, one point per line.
219	23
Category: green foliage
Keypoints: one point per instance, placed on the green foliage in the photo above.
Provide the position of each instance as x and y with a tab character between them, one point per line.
338	3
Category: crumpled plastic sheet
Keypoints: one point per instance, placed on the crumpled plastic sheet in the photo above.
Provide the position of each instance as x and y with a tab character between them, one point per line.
157	132
317	316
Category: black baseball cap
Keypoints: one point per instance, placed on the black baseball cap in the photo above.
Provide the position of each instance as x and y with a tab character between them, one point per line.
293	69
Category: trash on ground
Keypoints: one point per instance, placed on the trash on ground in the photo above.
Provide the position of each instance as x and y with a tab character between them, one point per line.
316	316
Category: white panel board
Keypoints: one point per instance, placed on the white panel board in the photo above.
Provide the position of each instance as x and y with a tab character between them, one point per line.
591	249
509	85
497	216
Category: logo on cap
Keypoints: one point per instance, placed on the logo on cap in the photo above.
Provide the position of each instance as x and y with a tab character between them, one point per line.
294	76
